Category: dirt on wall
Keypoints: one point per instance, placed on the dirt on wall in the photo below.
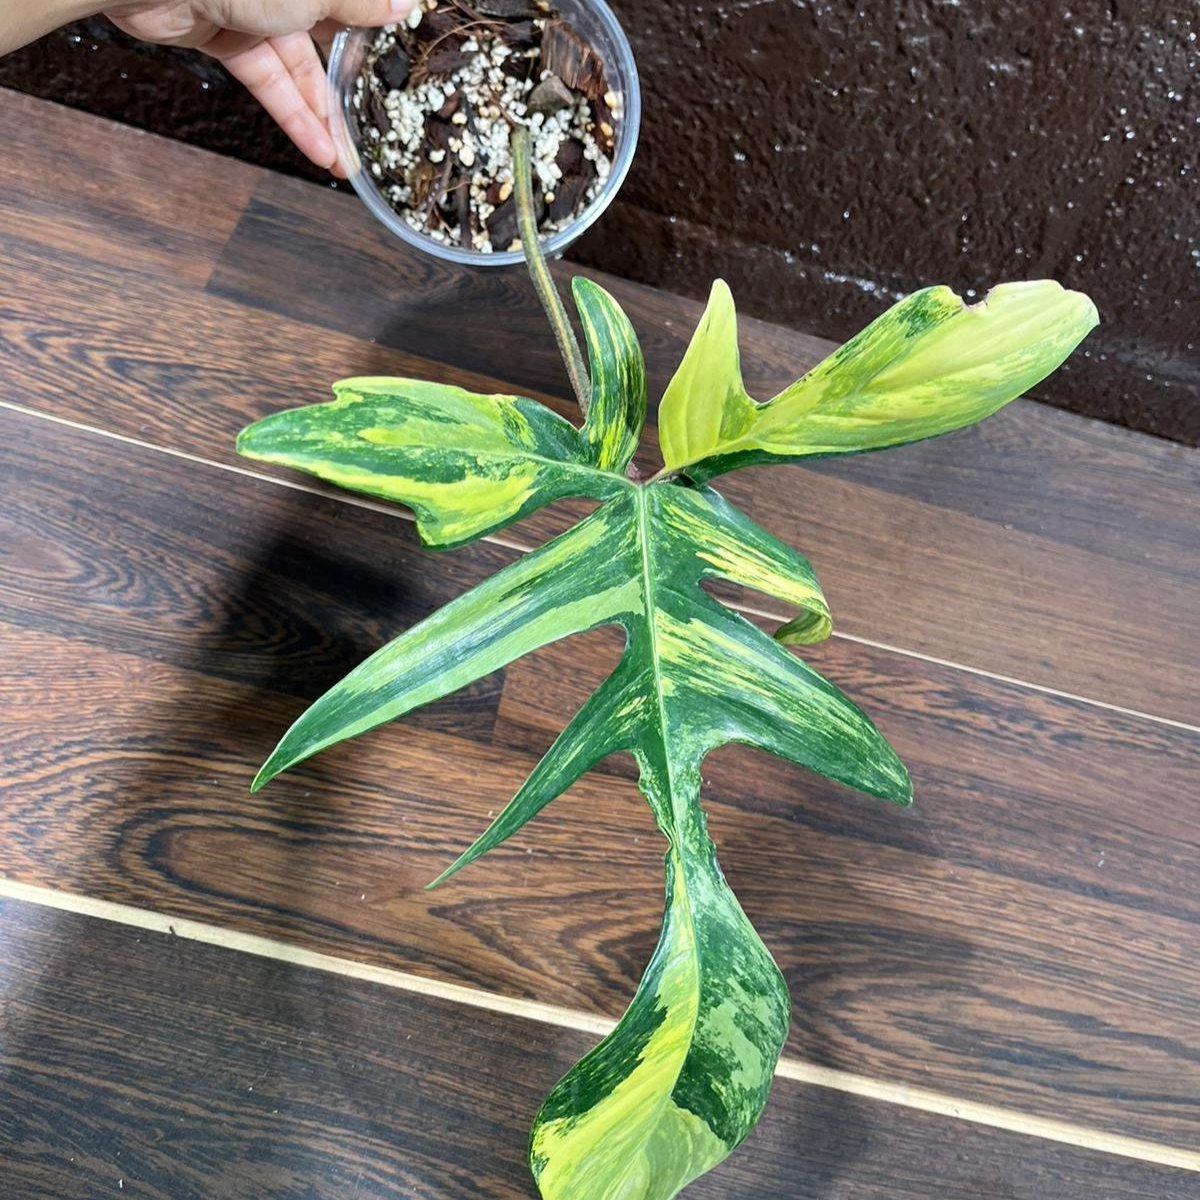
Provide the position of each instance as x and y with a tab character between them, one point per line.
828	157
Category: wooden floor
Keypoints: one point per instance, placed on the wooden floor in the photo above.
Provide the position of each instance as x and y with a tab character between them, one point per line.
215	995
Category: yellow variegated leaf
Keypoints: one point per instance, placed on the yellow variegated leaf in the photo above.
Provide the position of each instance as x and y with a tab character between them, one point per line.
683	1077
929	365
617	410
705	404
466	464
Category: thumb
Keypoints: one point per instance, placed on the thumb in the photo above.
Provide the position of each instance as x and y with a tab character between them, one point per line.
369	12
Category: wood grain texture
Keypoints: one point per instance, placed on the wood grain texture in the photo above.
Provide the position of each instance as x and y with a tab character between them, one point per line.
116	360
1026	936
906	570
137	1064
99	191
1040	545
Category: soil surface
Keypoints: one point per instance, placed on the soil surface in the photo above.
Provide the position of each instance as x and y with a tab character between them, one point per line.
436	102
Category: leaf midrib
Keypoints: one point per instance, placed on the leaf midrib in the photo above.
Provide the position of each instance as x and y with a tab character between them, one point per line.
649	609
676	834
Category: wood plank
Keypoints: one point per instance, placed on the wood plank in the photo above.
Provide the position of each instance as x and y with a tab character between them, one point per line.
1076	481
900	572
1040	546
277	594
1080	483
1031	467
151	360
129	368
1025	937
104	192
34	169
1016	470
120	360
1034	468
947	575
143	1065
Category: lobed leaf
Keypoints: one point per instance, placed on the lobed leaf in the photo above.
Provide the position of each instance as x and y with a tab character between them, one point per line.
929	365
567	586
684	1075
466	464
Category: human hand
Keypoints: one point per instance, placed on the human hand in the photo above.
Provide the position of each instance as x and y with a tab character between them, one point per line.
269	47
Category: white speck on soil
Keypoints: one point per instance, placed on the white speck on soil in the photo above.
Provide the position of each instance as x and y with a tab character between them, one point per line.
494	101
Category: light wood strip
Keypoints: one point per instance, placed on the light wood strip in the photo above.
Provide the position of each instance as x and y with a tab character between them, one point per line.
1040	546
1024	937
566	1018
129	1055
522	546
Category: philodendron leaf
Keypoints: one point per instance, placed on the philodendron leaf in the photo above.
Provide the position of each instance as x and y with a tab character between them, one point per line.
469	464
684	1076
567	586
929	365
466	464
617	410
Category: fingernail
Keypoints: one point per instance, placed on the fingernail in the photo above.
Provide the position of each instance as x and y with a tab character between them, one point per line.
327	155
401	7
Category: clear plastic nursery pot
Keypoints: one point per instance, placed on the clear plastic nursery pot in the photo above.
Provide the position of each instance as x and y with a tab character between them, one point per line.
595	20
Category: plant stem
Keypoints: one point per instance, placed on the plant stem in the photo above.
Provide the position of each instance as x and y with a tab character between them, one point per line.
663	475
540	273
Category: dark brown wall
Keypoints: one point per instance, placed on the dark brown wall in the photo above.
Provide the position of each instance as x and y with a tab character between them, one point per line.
827	157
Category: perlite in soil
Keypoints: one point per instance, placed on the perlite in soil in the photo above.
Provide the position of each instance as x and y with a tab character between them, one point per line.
436	101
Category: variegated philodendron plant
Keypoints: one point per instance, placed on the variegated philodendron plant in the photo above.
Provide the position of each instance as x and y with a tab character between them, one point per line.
684	1076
